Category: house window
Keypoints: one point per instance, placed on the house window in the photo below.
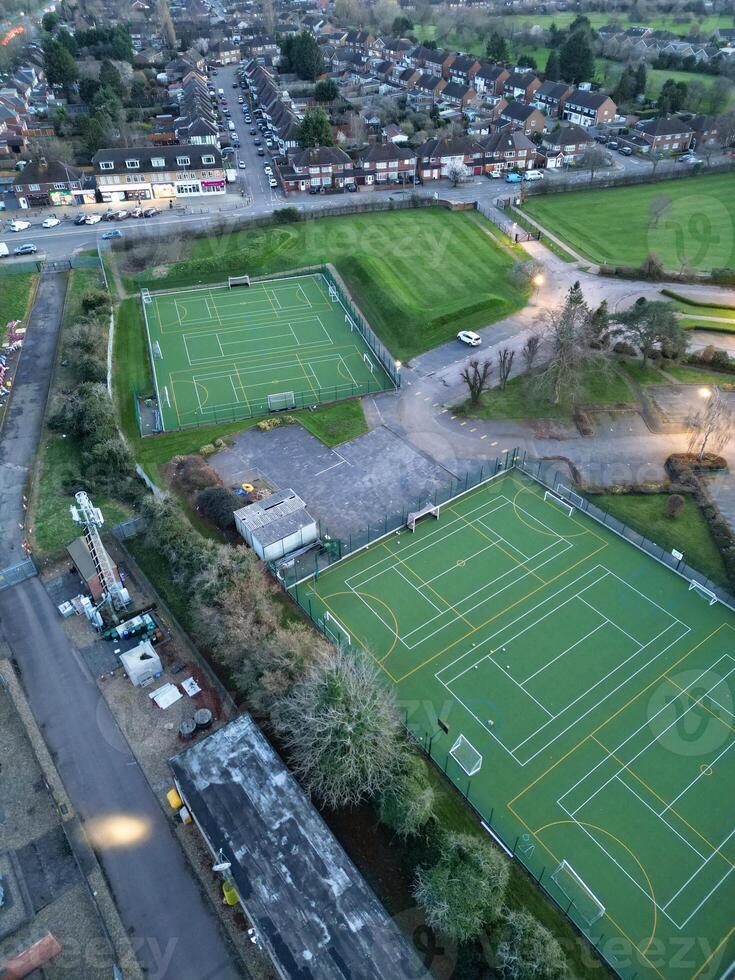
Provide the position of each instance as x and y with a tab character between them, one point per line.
60	186
106	164
34	187
132	164
158	162
183	161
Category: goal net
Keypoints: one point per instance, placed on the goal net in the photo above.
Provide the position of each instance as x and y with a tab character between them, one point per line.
157	350
281	400
336	631
370	365
551	498
145	295
564	491
333	294
234	281
705	593
466	756
416	515
580	896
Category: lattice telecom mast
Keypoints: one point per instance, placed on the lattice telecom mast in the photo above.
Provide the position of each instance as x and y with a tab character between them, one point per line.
90	517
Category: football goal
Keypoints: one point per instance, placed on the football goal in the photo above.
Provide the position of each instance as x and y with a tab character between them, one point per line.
705	593
336	631
416	515
466	756
579	895
370	365
234	281
281	400
552	498
145	295
157	350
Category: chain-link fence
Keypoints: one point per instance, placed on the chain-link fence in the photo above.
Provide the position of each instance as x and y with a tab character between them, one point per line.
19	572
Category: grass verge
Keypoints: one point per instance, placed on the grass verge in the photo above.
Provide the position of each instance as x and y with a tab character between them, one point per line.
335	424
552	246
16	290
689	533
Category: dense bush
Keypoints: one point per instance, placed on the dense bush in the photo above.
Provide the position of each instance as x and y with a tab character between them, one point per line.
191	474
674	505
218	505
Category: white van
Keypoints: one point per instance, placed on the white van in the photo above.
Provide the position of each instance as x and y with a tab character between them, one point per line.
4	250
533	175
231	126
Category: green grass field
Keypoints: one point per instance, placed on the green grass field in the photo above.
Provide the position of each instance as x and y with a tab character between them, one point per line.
419	276
15	294
697	231
580	695
222	354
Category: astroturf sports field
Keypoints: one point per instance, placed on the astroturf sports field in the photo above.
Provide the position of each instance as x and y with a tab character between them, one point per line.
590	703
622	225
220	354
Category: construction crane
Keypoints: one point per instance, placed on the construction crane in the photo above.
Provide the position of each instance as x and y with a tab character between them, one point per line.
91	519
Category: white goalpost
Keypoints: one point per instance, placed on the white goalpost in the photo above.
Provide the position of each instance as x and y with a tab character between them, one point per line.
707	594
281	400
336	631
233	281
371	366
157	350
466	756
579	894
552	498
416	515
145	295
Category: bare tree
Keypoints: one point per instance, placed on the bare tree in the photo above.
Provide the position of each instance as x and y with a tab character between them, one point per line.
505	364
341	729
594	158
458	173
166	23
660	204
712	426
477	378
656	158
268	15
530	350
568	335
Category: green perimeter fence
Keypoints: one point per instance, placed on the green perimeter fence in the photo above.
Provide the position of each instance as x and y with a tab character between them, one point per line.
149	418
293	573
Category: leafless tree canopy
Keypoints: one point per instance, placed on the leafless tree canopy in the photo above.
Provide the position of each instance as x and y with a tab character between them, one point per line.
477	378
712	427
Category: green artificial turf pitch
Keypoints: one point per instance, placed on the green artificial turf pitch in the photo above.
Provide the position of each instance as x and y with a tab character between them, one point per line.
594	689
228	354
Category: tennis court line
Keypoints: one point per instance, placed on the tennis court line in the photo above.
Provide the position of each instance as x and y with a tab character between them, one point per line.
714	701
564	652
437	594
500	547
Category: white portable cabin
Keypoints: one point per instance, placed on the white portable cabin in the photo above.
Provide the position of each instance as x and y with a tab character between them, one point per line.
141	664
277	525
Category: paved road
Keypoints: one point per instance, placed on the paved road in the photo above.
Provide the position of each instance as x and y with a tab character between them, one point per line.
173	928
23	421
154	888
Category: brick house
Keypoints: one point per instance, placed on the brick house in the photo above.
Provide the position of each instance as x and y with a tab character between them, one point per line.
490	79
385	163
463	69
549	97
437	157
431	85
458	94
407	78
435	62
588	108
665	134
567	144
521	85
43	183
320	166
358	41
508	149
706	130
138	173
525	117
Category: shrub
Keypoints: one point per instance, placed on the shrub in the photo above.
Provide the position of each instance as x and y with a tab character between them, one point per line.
218	505
723	276
623	347
528	951
95	301
191	474
408	803
464	890
286	216
674	505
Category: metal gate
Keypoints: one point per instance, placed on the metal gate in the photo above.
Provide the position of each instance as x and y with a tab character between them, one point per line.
14	574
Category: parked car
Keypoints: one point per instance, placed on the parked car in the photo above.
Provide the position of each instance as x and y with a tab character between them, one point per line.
18	225
626	151
92	219
273	182
495	174
253	132
241	164
314	189
51	222
470	338
260	151
513	178
121	215
116	233
257	142
602	138
351	188
109	215
150	212
268	169
25	250
415	179
689	158
533	175
613	145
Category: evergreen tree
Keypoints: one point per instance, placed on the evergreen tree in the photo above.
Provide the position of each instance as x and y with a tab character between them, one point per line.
496	48
315	129
640	79
576	58
61	69
553	68
302	56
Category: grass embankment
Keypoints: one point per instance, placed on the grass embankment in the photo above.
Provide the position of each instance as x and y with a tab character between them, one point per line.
16	289
614	225
58	462
692	311
552	246
519	400
689	533
419	276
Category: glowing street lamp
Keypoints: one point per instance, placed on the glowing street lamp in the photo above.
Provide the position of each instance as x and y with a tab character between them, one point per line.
705	393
